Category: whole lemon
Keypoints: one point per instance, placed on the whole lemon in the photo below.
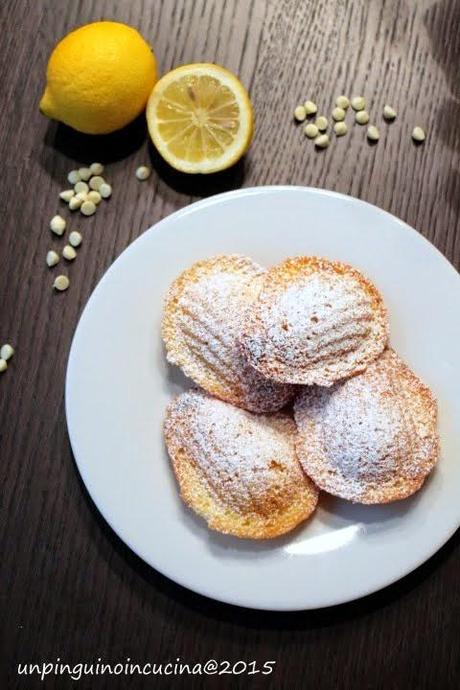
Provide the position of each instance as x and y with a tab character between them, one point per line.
99	78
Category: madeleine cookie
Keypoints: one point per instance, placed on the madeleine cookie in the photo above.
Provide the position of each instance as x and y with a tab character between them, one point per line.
315	321
237	470
372	438
201	324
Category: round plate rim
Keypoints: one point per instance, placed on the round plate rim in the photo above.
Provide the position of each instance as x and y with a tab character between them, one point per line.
361	591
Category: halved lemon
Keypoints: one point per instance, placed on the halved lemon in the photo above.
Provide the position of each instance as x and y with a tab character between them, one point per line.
200	118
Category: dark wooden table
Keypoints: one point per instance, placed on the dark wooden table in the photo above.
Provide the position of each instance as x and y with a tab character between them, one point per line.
70	588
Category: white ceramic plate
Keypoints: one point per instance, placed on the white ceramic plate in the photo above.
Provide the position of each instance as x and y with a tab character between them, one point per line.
118	384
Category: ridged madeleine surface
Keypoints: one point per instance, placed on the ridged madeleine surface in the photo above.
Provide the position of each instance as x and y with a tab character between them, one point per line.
315	321
237	470
201	325
372	438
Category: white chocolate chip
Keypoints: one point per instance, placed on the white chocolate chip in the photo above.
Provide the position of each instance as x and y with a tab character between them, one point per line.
389	113
338	114
96	168
85	174
362	117
418	134
311	131
75	238
3	365
57	225
95	182
310	107
340	128
69	253
342	102
75	202
61	283
358	103
143	171
322	123
81	187
373	133
88	208
74	177
52	258
105	190
322	142
6	352
299	114
94	196
66	195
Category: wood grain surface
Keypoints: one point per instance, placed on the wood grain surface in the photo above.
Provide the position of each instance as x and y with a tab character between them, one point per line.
69	587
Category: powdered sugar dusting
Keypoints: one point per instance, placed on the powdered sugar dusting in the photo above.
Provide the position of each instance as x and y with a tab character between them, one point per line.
248	460
319	327
369	435
318	316
208	310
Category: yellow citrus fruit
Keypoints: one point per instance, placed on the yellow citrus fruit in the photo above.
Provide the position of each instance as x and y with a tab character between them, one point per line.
200	118
99	78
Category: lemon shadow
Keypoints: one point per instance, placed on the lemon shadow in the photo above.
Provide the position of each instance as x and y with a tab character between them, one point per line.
196	185
86	148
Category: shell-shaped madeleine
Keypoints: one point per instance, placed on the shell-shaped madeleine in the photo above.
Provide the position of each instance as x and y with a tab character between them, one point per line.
314	321
201	326
237	469
372	438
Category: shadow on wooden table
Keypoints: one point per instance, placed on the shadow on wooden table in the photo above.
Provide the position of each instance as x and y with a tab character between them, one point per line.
271	620
86	148
110	148
437	17
198	185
